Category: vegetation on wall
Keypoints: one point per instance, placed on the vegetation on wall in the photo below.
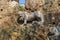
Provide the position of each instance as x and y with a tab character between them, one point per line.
21	8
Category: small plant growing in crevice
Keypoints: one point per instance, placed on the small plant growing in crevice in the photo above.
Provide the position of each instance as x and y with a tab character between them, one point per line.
21	8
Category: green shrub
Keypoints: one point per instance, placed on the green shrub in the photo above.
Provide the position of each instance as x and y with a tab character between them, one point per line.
21	8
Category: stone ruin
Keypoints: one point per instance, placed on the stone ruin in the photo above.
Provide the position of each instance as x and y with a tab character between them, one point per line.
14	31
47	7
11	30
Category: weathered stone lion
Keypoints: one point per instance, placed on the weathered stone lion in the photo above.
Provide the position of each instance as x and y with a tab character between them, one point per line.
25	16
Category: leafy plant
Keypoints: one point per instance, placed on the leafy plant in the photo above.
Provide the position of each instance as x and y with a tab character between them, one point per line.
21	8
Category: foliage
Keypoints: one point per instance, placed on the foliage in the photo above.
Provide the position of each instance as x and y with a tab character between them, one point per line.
21	8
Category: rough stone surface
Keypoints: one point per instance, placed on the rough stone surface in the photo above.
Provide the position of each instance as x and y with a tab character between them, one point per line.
33	4
7	12
48	5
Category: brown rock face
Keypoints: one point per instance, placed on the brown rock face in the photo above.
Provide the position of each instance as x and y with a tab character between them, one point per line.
6	16
49	5
33	4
